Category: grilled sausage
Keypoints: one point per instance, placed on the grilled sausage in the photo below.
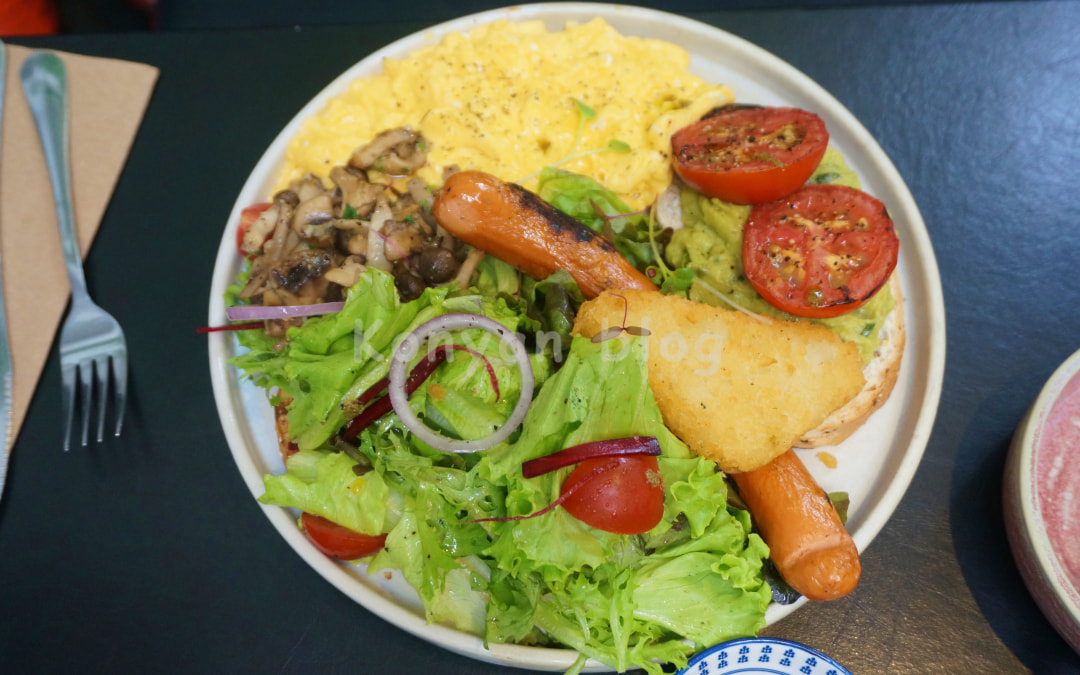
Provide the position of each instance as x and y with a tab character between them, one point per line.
808	543
518	227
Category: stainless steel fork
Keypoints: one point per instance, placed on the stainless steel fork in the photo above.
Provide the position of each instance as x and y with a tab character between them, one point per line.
91	341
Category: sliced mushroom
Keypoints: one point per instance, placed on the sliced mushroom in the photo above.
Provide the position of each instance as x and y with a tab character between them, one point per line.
301	279
307	187
260	229
301	268
348	273
357	243
349	225
356	191
281	242
376	244
350	236
403	238
445	239
394	151
421	194
321	239
313	221
405	210
254	286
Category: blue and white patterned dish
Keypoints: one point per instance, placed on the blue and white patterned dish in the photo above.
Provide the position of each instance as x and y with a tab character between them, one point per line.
772	656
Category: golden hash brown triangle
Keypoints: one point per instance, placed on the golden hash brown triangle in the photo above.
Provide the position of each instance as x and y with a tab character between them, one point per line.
735	389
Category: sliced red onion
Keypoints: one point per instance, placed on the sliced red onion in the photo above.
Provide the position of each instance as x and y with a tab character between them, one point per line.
399	397
616	447
260	313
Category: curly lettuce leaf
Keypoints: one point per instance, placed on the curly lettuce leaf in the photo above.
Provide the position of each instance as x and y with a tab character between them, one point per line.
602	392
623	600
323	483
332	359
548	305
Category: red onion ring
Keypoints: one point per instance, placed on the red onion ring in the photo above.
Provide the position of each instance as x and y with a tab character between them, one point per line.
410	346
259	313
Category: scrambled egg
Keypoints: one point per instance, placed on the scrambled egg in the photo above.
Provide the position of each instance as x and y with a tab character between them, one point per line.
504	99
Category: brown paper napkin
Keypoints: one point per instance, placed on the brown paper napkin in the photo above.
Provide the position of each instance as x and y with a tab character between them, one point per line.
107	101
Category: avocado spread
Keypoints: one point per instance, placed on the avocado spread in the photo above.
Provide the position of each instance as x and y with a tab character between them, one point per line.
710	243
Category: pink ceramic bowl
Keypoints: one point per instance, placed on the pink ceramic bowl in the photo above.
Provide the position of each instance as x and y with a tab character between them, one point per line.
1042	499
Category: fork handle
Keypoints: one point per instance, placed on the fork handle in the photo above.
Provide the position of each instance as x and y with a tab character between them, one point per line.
44	81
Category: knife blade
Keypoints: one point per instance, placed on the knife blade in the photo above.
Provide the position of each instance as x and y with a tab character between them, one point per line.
6	380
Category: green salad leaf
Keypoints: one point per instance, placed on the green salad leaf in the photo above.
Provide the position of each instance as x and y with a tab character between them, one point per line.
463	529
601	210
330	360
551	579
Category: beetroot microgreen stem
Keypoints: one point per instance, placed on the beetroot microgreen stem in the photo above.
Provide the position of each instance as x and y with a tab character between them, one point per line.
616	447
248	325
419	374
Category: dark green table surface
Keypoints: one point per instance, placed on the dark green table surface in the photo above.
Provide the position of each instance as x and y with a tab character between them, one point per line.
147	554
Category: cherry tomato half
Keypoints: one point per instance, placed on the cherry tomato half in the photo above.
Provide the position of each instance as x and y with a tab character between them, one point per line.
247	217
626	499
821	252
750	154
340	542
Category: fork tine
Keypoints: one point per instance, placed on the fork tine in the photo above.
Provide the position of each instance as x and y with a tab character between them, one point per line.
86	391
119	368
67	375
101	371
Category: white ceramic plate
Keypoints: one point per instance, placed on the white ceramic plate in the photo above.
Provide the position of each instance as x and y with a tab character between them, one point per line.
875	464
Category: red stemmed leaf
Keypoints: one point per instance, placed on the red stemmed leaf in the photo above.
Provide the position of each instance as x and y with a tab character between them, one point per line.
616	447
419	374
249	325
614	331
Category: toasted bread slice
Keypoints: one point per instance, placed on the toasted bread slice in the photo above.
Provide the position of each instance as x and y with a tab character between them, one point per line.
880	374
